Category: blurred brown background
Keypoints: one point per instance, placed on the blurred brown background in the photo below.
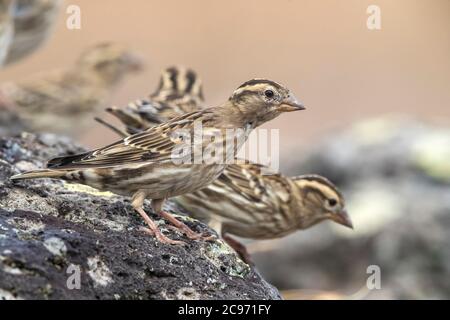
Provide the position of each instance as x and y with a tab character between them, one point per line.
322	50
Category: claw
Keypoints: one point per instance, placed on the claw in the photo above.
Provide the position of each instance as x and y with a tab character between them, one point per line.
191	234
160	237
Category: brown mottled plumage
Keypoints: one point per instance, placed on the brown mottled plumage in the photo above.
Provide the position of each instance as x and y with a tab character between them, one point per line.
147	164
64	101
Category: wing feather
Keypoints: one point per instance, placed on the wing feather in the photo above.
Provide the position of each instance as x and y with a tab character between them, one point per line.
155	144
254	182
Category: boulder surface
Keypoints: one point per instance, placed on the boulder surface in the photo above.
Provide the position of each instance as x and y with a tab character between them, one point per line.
68	241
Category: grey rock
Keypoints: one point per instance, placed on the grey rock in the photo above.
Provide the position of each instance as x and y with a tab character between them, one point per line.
50	230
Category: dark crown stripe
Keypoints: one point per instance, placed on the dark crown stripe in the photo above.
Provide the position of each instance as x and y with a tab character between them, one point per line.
173	78
173	72
259	81
191	79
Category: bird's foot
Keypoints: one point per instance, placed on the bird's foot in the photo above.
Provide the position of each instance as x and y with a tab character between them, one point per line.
180	226
153	229
188	232
160	237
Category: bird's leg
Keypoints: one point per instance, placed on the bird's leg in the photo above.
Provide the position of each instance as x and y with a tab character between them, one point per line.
240	249
157	207
137	203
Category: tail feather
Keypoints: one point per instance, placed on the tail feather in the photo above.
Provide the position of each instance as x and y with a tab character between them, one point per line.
44	173
121	133
134	118
125	116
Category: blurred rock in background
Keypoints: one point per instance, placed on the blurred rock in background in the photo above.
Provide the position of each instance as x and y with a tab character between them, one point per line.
395	175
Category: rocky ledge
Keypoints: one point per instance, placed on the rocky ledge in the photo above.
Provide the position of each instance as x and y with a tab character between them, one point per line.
67	241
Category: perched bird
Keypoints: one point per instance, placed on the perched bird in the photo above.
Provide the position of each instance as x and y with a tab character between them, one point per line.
249	201
179	92
245	202
64	101
153	164
6	28
33	22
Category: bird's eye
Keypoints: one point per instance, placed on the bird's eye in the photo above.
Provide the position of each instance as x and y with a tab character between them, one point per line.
269	93
332	202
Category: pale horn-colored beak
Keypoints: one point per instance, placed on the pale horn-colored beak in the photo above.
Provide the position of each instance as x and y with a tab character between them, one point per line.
343	218
290	104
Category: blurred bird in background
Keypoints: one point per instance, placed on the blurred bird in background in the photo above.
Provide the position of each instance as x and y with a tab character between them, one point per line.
179	92
245	200
6	28
64	101
33	22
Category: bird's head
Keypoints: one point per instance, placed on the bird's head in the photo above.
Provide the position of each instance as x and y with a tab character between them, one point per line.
264	100
110	62
179	81
321	200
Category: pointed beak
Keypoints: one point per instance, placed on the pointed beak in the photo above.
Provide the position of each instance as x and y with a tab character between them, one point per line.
290	104
343	218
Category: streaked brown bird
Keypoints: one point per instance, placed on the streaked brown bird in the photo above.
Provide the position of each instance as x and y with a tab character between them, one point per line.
249	201
179	92
65	101
152	164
